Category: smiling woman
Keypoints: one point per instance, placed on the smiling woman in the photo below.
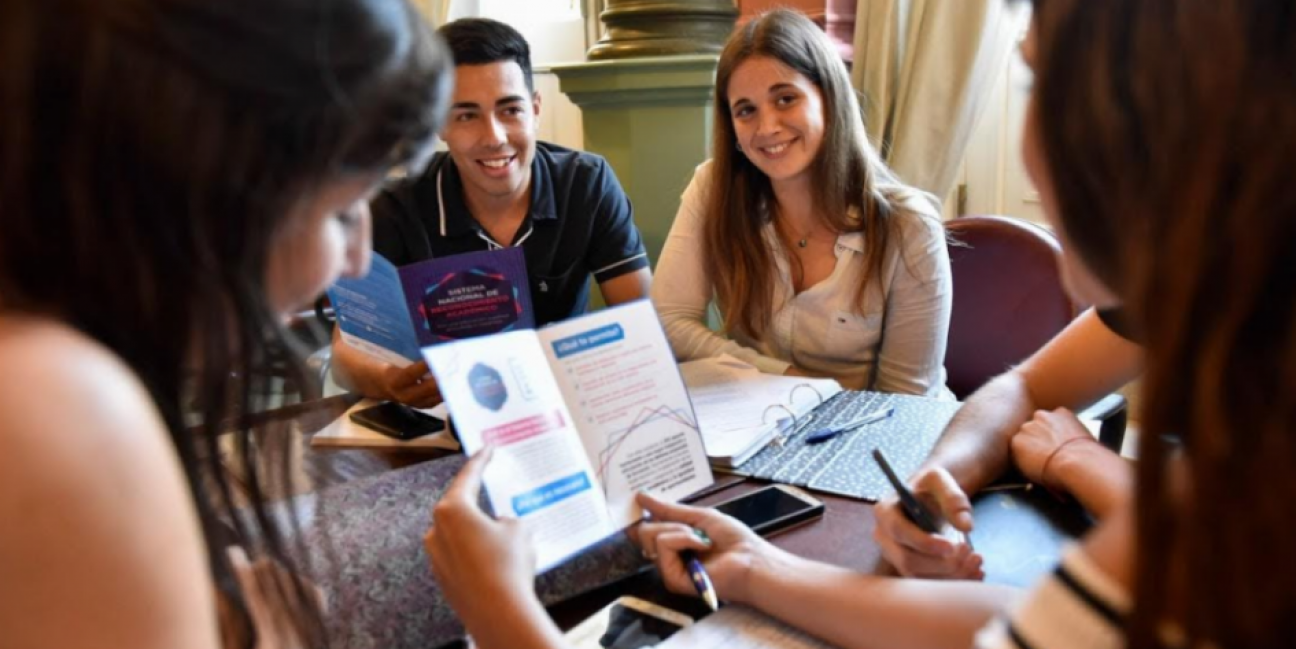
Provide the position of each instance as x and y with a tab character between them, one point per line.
821	262
779	115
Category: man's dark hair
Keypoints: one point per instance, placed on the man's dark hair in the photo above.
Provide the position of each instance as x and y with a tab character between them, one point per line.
478	41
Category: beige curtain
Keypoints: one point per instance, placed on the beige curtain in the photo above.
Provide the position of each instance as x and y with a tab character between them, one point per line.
926	69
436	11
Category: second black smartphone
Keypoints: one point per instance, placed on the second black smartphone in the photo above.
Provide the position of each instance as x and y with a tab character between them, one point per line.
397	421
773	509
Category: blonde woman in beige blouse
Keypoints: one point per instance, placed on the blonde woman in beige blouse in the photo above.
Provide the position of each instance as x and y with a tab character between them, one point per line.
820	261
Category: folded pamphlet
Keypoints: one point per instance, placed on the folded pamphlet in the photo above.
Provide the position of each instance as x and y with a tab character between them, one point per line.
392	312
583	415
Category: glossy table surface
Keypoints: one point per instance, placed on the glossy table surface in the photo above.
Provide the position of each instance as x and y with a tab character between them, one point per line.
369	509
844	536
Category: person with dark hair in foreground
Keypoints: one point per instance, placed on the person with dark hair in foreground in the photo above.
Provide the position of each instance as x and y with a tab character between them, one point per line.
178	177
1165	167
497	187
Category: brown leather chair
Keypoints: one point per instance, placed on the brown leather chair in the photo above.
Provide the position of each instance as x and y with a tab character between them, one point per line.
1008	297
1009	301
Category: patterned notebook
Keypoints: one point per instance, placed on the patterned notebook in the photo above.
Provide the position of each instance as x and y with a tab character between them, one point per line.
843	464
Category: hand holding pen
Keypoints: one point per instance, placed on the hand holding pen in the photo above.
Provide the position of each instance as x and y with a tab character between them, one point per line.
914	510
670	536
920	541
697	573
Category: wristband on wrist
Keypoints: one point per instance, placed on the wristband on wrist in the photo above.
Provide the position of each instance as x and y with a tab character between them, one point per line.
1044	469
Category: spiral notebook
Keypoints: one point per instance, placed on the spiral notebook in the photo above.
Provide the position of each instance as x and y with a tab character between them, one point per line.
741	410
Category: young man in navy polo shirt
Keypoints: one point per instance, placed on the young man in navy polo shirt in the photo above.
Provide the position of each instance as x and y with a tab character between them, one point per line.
496	187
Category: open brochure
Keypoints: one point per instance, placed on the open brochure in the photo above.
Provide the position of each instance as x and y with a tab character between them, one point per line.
583	414
393	312
740	410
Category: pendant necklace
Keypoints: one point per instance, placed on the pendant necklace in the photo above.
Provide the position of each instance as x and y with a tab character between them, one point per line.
805	238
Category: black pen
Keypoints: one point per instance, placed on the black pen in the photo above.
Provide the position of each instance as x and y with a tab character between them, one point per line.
913	508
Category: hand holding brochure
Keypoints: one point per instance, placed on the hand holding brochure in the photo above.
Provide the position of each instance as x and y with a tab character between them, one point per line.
391	313
583	414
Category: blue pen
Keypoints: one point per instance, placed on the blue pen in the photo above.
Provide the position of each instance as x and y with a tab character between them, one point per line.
824	434
701	580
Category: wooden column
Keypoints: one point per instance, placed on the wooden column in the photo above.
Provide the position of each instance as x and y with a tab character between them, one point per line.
638	28
651	118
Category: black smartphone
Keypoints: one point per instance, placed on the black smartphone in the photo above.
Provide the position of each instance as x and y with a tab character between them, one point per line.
773	509
397	421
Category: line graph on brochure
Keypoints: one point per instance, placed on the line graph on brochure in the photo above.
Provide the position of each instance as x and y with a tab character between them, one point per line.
646	419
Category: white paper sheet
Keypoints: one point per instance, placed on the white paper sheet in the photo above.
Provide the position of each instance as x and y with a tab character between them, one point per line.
739	627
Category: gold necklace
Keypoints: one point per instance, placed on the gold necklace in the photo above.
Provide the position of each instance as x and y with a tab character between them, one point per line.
805	236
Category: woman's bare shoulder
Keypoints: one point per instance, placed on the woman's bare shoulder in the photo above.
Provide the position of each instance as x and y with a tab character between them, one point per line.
55	376
94	502
74	415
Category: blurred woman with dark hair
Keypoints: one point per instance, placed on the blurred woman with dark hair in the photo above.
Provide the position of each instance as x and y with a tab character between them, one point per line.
176	176
1165	166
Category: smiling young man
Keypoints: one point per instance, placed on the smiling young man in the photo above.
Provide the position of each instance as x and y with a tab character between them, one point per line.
498	187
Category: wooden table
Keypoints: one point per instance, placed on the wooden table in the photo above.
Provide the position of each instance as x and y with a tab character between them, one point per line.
844	536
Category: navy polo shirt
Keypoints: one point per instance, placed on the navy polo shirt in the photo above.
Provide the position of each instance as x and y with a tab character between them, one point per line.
579	224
